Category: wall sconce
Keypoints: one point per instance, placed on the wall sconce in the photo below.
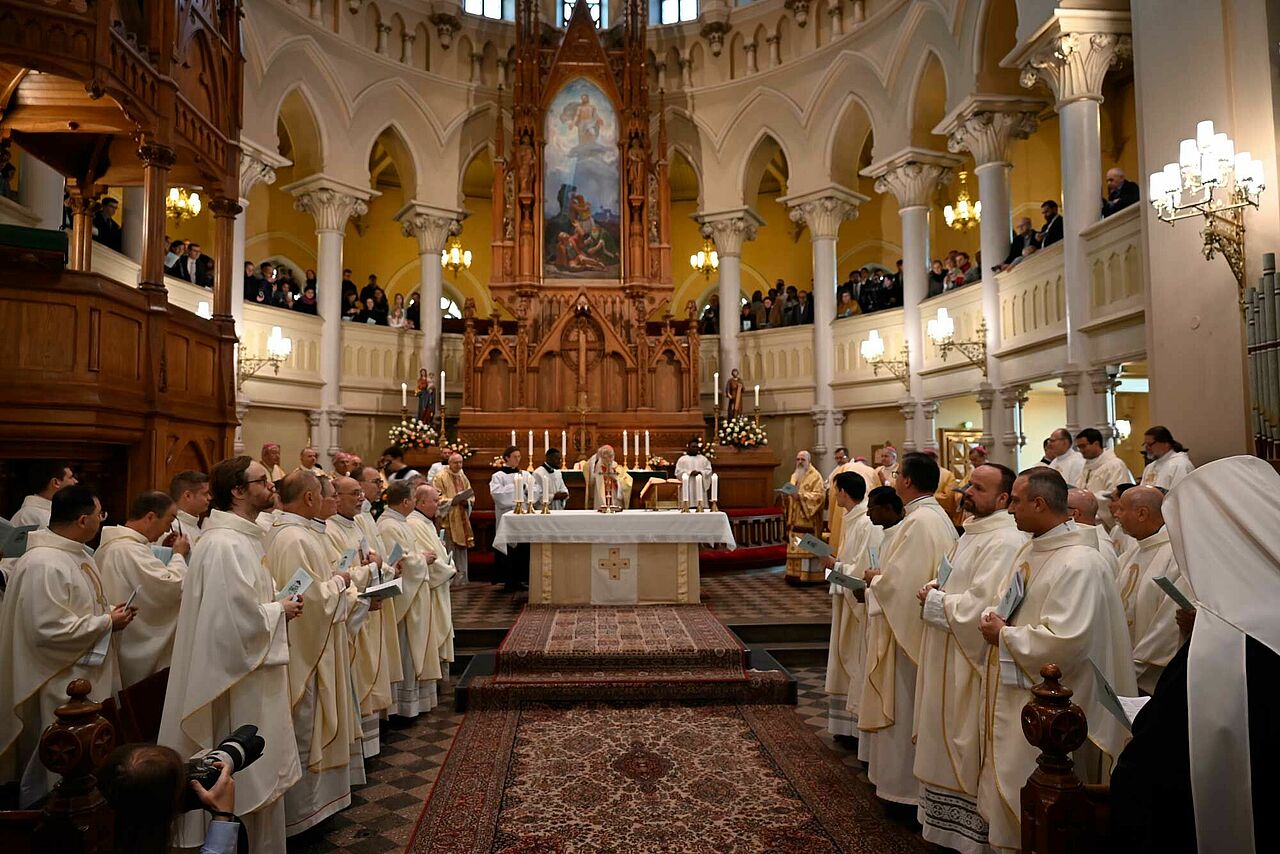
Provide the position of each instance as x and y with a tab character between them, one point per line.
942	329
873	354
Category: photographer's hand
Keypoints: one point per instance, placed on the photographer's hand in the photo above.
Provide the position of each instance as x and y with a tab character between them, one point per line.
222	797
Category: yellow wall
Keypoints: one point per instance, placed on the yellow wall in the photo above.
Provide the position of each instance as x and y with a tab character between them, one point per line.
864	428
1046	411
365	435
274	228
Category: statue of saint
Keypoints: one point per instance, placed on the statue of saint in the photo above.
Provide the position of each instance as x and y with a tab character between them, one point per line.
426	397
733	395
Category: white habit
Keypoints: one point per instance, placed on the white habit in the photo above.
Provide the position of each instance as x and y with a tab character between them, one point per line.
689	464
1102	474
128	564
439	574
420	667
1148	610
35	510
1070	465
550	483
189	526
847	652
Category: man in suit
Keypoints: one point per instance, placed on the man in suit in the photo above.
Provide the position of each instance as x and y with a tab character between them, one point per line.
192	267
1121	192
1051	232
1024	236
105	228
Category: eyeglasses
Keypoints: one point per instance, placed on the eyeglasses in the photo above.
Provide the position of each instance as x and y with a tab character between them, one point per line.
263	479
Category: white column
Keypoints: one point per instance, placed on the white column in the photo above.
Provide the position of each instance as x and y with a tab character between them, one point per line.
823	211
253	170
1073	65
380	46
431	226
1013	399
984	128
729	231
750	48
775	50
132	221
929	427
41	190
331	204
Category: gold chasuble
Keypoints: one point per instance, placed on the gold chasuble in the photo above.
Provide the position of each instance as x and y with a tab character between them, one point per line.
457	520
802	513
603	480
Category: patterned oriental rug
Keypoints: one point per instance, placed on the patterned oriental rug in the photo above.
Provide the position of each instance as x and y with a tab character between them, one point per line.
661	779
595	644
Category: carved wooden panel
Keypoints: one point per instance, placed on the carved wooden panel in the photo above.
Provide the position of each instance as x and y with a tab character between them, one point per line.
176	350
34	336
121	347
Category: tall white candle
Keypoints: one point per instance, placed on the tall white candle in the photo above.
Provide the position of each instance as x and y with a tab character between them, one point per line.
404	395
546	440
440	396
513	437
635	444
518	485
647	454
757	396
624	443
684	487
530	447
564	444
715	487
716	382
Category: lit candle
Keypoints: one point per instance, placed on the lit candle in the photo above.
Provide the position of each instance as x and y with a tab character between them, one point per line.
635	446
715	488
404	395
546	440
647	455
441	396
757	396
624	443
513	437
530	447
716	383
564	444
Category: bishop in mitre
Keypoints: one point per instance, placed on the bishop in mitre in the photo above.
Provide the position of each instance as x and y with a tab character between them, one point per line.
416	692
953	657
129	564
606	476
802	514
451	482
324	717
375	647
834	512
846	654
1149	611
58	626
439	574
231	656
1070	615
895	633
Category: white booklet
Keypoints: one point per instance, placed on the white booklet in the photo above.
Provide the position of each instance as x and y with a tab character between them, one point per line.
396	554
386	590
13	540
813	545
297	585
1125	709
347	557
944	572
1012	598
849	582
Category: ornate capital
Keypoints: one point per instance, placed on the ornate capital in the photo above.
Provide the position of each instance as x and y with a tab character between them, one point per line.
986	134
823	215
331	208
156	155
907	406
1102	381
254	171
929	409
1073	64
431	231
337	416
986	395
913	182
1014	396
729	234
1069	382
221	206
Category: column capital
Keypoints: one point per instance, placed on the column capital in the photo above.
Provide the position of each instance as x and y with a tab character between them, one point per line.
331	202
1072	53
1069	379
221	206
986	395
729	229
429	224
984	126
1102	380
824	210
157	155
258	165
912	175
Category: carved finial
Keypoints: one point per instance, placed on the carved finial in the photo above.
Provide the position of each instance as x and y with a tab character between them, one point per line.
1051	722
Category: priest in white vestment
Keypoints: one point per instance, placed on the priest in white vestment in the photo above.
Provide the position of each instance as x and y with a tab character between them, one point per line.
319	657
1103	470
1083	507
58	626
375	647
231	656
834	513
505	485
451	482
607	476
1065	459
190	490
895	632
439	574
846	654
129	564
953	657
550	482
1149	611
416	692
1070	614
36	506
1170	461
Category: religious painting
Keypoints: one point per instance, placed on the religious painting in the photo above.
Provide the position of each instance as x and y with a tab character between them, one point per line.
581	208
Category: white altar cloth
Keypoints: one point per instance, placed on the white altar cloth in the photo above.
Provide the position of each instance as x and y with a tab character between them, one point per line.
629	526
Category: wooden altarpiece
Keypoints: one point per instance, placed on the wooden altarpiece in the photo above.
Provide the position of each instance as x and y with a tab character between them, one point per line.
581	255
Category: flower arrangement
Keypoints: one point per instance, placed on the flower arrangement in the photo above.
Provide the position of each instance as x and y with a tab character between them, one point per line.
657	461
707	449
461	448
743	432
412	433
498	462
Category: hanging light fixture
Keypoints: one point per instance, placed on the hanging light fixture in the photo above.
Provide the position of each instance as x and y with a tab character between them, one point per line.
182	205
964	214
706	260
453	257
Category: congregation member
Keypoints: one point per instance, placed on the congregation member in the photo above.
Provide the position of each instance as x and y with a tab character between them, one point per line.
375	646
551	481
1063	456
512	568
952	661
440	573
415	693
1051	232
846	654
895	632
1083	507
1103	470
606	476
324	720
1149	611
1121	192
231	655
870	481
1070	614
50	476
887	464
271	461
190	492
56	625
451	482
1024	238
131	569
1168	461
105	228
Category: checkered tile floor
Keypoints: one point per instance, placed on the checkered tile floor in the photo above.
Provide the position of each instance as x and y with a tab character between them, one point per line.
383	813
754	596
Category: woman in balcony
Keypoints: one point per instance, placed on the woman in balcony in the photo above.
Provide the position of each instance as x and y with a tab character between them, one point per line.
368	314
937	278
397	318
381	306
307	302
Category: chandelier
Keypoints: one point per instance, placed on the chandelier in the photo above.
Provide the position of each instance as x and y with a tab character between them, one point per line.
1211	180
964	214
181	205
453	257
706	260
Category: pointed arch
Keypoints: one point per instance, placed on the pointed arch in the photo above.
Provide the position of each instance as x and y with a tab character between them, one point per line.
765	150
305	137
928	100
995	37
392	146
846	141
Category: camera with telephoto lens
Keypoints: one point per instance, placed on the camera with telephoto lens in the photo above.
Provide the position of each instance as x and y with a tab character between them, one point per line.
237	751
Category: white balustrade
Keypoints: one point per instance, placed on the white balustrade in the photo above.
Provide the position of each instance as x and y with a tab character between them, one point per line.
1033	302
1114	249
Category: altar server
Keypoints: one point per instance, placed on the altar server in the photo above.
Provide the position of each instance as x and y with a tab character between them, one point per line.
129	563
953	657
441	571
190	491
231	656
693	460
895	631
846	655
1170	462
511	568
551	481
1070	614
415	693
1149	611
56	625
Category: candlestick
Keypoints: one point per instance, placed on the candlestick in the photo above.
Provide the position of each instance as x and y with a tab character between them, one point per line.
716	383
564	445
404	395
647	454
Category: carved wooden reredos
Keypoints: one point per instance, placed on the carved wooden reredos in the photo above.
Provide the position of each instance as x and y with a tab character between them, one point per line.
581	242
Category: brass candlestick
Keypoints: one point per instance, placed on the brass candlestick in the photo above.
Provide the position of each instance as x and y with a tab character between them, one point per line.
715	506
757	415
546	507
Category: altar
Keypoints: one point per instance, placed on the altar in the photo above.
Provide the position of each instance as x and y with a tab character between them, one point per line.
581	557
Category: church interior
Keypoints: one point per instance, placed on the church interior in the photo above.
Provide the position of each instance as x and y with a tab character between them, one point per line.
729	425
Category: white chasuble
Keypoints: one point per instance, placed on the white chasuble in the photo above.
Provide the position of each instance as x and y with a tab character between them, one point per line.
614	577
128	564
1149	611
846	655
1071	613
440	575
416	692
55	614
230	667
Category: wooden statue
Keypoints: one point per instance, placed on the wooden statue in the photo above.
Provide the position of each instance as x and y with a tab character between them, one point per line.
733	395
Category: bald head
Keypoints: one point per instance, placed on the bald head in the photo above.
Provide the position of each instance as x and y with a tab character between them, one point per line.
1083	505
426	500
349	494
1139	511
300	493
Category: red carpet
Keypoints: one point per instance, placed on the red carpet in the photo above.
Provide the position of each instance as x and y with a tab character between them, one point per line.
658	779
